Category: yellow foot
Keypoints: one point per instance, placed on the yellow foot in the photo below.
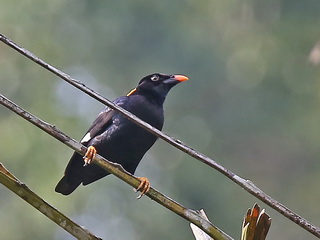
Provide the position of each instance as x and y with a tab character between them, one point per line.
90	155
144	186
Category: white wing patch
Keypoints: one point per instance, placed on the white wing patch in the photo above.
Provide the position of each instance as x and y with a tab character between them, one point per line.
86	138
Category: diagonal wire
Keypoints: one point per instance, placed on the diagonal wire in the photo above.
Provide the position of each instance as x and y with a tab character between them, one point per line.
245	184
22	190
117	170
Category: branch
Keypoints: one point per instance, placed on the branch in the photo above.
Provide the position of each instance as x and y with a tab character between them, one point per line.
245	184
198	233
19	188
117	170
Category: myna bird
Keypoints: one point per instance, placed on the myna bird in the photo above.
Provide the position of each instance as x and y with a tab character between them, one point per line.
118	139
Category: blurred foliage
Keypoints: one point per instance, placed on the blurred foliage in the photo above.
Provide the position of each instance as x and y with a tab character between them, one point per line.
252	104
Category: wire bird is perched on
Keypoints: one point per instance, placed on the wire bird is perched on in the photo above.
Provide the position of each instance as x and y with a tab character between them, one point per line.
118	139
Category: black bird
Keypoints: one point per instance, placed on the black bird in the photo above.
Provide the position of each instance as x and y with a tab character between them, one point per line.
118	139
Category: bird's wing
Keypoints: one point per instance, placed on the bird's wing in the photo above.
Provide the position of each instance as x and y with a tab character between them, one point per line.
75	173
103	121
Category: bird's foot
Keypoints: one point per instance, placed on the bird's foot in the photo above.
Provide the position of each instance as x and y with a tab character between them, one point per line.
90	155
144	186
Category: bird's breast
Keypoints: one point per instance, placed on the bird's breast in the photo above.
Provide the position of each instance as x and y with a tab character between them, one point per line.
146	110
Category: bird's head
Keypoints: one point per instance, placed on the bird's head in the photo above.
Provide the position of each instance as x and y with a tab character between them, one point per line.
157	85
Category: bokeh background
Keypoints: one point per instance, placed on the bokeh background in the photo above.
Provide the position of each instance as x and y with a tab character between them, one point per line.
252	103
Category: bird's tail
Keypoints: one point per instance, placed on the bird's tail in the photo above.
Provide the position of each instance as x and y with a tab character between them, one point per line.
66	186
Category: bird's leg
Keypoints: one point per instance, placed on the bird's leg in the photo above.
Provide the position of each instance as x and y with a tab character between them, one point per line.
90	155
144	186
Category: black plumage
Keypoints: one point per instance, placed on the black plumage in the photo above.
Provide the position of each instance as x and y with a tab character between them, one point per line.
118	139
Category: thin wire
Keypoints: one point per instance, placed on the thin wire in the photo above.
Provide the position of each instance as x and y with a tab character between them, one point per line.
246	184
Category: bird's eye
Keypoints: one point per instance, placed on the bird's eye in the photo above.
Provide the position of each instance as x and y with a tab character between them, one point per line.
155	78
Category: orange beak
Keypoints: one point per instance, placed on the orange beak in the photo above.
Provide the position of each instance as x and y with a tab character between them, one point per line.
180	78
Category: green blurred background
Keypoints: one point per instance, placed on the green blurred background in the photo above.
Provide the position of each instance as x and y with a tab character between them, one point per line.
252	103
